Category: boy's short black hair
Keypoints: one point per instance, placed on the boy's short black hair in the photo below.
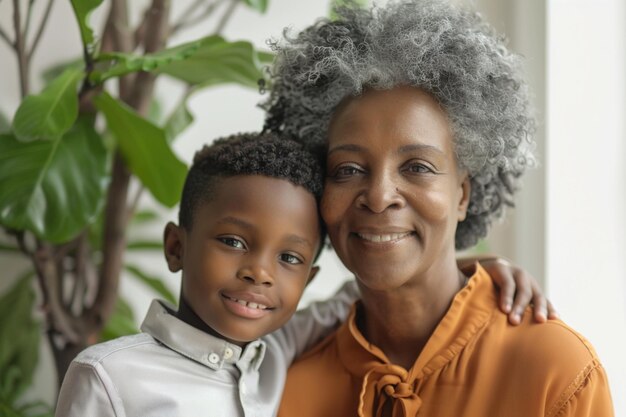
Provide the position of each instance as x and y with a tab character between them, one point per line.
264	154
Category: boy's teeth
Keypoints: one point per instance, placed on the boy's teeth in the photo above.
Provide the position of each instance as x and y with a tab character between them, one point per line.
383	238
250	305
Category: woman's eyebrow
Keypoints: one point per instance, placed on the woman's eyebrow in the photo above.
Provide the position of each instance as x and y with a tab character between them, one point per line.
347	147
419	147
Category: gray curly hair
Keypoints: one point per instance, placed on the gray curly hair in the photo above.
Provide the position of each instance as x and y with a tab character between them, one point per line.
445	50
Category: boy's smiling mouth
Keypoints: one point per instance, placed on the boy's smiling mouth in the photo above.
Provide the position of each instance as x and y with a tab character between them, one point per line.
246	304
249	304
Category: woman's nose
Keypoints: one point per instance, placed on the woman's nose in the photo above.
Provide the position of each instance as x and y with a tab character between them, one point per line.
256	274
381	193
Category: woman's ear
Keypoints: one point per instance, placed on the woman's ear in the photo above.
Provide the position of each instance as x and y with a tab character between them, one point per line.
173	246
466	189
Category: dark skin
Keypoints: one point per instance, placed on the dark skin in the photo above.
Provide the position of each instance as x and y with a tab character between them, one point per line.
393	197
247	258
189	251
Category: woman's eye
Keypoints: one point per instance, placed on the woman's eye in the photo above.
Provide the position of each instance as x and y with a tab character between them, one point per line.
233	242
290	259
419	168
346	171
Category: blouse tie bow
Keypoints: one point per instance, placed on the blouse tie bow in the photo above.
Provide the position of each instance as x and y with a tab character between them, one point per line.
386	387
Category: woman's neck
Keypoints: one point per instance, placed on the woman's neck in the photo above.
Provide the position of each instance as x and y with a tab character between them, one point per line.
401	321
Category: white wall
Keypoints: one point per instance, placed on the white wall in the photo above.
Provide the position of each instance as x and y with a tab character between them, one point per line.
586	176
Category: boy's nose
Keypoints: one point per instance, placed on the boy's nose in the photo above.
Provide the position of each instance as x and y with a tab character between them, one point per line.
256	275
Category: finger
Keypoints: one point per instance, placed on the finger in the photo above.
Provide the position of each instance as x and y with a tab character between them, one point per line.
552	313
506	284
523	295
540	306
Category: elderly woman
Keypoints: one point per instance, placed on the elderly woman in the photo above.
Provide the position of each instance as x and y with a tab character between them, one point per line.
424	118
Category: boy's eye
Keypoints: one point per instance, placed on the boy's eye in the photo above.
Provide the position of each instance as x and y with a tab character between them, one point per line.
290	259
233	242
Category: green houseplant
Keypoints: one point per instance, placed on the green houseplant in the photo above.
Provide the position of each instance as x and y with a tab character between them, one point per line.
69	153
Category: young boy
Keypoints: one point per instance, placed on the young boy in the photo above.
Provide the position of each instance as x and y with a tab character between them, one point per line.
249	234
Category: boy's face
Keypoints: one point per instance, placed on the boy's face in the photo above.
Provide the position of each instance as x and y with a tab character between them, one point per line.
248	255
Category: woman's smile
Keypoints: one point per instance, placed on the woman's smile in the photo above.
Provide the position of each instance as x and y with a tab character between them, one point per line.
383	237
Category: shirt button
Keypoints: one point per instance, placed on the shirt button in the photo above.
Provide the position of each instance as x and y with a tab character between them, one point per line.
228	353
243	390
214	358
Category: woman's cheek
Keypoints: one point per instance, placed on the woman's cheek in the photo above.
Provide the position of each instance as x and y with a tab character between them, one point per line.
435	206
328	205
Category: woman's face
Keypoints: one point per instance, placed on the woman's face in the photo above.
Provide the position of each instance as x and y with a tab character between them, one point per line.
393	193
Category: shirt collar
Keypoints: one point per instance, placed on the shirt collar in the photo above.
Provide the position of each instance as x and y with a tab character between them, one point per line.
469	311
385	382
197	345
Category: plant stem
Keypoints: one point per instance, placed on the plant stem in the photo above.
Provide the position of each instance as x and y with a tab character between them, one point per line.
137	95
5	36
114	242
122	39
20	49
226	16
40	30
186	20
29	16
135	202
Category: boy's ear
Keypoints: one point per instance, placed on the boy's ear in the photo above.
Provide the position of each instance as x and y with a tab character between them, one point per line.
173	246
312	274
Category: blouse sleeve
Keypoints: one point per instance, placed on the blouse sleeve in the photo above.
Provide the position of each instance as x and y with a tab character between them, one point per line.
87	391
589	397
308	326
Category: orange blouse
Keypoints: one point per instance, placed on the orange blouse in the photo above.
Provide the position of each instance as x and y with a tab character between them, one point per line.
474	365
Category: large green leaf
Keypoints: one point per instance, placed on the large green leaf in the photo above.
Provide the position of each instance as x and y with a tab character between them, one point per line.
82	10
145	245
179	120
334	4
259	5
49	74
19	340
116	64
218	61
9	248
207	61
121	323
144	216
145	149
153	282
266	57
51	113
5	125
53	188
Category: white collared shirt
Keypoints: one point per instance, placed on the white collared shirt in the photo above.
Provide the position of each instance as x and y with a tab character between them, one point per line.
174	369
